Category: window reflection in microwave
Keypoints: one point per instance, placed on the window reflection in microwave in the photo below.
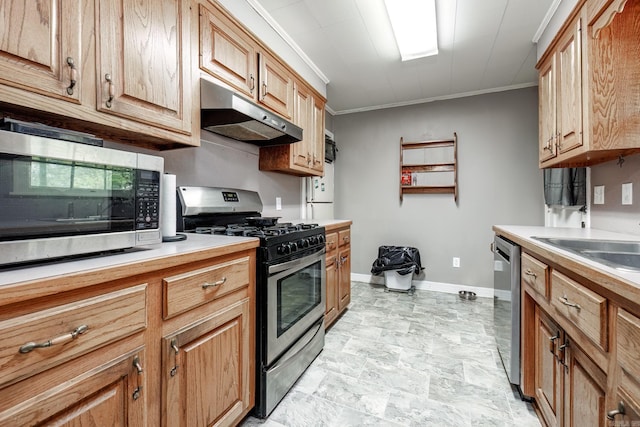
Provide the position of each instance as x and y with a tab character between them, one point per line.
47	174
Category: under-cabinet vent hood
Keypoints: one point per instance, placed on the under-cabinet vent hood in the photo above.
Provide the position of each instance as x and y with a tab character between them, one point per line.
229	114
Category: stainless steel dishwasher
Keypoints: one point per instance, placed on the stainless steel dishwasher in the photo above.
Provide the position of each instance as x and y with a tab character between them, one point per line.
506	305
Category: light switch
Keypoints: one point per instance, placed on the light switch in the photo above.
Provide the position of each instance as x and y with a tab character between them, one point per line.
598	195
278	203
627	193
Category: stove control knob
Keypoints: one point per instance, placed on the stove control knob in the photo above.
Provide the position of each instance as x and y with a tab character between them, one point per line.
304	243
284	249
321	239
313	240
294	247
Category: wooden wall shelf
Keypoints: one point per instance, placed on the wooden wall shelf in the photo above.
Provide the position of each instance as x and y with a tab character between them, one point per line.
411	171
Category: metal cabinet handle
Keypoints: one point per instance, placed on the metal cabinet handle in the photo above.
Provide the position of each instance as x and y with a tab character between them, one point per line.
619	411
73	75
207	285
112	90
137	365
552	341
176	350
253	83
528	272
565	301
264	90
62	339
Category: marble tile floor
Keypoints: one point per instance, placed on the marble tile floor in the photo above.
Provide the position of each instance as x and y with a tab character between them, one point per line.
394	359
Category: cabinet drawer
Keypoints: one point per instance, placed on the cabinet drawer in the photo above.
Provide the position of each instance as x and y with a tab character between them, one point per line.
584	308
67	331
185	291
628	342
332	241
534	273
344	237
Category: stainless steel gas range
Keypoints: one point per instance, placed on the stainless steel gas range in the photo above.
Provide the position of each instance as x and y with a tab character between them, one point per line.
290	282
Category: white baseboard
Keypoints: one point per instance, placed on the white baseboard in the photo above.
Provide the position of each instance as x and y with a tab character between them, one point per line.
426	285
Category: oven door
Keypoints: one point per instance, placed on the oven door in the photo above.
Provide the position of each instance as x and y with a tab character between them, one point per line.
295	300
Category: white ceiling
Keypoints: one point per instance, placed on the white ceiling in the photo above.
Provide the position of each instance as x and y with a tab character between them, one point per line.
484	46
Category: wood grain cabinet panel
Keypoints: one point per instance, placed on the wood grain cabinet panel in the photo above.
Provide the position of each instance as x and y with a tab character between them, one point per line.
275	85
207	369
143	61
548	369
188	290
108	393
40	47
67	331
338	264
227	53
535	274
581	306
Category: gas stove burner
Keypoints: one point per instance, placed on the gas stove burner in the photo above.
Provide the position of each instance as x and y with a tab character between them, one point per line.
210	230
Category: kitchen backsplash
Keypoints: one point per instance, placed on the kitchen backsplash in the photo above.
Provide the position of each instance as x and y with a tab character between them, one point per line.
613	215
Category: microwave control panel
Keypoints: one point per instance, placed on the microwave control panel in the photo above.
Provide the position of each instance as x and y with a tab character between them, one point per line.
147	200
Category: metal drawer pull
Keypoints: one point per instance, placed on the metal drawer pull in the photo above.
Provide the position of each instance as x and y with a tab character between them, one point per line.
73	75
565	301
213	285
30	346
620	411
137	365
528	272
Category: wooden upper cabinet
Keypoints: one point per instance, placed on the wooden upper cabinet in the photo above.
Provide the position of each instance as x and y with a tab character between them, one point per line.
40	47
303	117
569	90
547	110
226	52
560	97
317	128
275	85
593	61
143	64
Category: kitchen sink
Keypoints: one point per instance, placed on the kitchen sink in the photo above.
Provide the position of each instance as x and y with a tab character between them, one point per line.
618	254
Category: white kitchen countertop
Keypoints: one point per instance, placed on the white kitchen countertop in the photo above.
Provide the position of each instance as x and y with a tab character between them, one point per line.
193	243
522	235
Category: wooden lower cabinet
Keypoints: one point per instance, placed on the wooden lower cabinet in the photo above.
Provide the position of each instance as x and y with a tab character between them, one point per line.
207	368
90	391
169	341
338	264
585	388
548	369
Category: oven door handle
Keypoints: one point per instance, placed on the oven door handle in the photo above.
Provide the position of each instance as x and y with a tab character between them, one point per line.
297	263
299	345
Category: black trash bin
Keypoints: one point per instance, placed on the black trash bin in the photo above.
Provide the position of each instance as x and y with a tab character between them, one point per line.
398	264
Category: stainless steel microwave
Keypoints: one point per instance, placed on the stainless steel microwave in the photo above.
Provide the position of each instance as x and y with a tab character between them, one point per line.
60	198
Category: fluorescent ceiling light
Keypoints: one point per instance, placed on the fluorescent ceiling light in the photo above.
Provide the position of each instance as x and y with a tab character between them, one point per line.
414	26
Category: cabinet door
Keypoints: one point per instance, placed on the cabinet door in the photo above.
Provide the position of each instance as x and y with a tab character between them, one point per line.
109	394
317	128
344	281
547	110
143	61
569	90
332	290
226	52
208	369
548	370
40	47
301	151
276	86
585	395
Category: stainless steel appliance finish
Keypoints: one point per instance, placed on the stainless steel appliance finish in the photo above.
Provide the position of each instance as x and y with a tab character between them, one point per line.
619	254
507	306
290	283
226	113
61	198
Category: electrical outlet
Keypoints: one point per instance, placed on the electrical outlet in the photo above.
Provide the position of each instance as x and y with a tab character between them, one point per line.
278	203
456	262
598	195
627	193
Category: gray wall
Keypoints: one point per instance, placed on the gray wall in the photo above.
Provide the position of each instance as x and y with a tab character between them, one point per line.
499	181
613	215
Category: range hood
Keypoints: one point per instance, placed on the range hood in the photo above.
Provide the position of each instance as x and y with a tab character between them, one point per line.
226	113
